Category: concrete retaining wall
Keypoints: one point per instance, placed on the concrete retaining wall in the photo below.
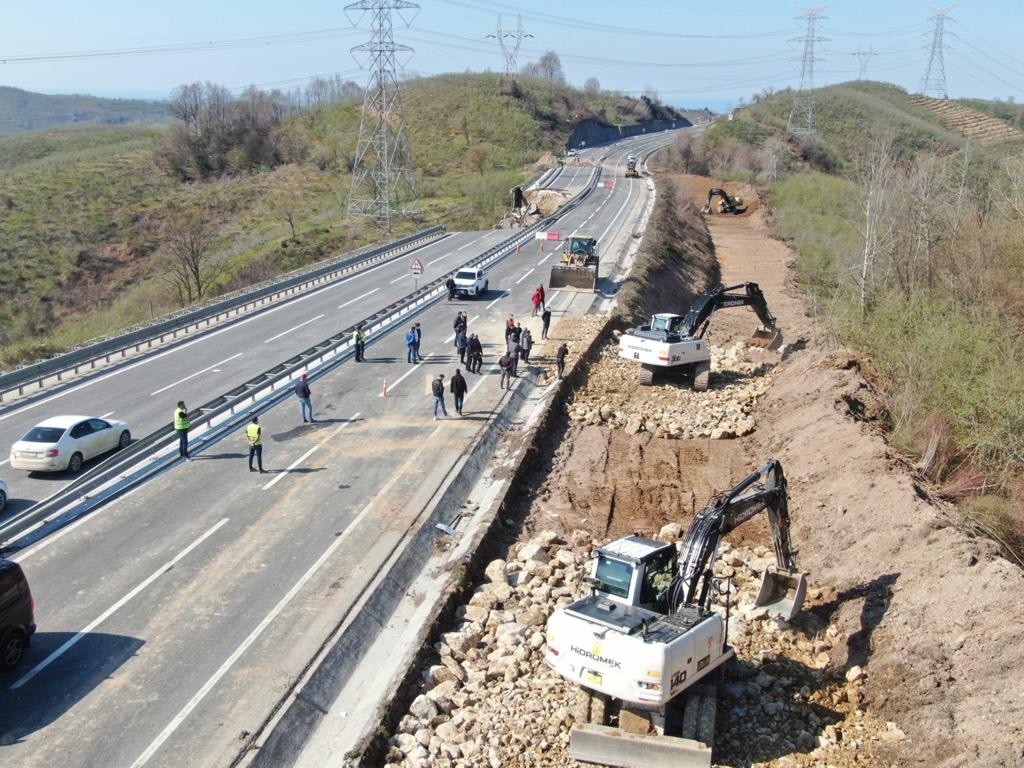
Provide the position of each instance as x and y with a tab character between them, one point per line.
590	132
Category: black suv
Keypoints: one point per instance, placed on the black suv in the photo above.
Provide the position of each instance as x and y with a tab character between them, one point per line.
17	607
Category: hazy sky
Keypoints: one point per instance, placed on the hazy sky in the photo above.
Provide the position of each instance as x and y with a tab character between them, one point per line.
691	53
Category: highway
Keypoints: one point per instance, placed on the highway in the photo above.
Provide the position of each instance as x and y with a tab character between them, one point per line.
172	621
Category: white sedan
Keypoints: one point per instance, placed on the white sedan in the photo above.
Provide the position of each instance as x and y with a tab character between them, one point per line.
67	442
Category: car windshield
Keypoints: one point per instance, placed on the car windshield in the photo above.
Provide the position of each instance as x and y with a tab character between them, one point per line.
465	275
43	435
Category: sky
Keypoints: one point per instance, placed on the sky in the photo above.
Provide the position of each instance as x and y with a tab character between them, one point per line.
713	54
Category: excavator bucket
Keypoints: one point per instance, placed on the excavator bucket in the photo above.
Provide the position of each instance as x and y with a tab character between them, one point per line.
569	278
782	592
769	338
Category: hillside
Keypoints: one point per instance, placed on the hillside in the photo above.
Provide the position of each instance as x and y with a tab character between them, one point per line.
22	111
86	209
970	122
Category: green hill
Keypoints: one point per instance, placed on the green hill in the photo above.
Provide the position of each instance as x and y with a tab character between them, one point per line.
85	211
26	111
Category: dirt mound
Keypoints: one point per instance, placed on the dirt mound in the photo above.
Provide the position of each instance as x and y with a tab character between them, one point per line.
544	162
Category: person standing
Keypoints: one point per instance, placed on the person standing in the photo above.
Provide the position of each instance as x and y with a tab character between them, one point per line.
254	434
475	351
536	299
410	343
560	359
419	337
513	352
305	402
461	344
517	333
458	387
450	285
509	325
437	387
360	344
505	364
181	427
543	299
545	319
461	323
526	344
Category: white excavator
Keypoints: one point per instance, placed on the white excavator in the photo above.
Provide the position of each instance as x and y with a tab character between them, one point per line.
646	634
675	343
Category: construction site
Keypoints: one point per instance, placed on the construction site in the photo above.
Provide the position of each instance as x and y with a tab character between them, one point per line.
906	650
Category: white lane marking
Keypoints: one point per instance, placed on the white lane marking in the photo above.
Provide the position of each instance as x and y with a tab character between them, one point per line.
255	634
438	259
525	276
357	298
400	277
204	337
471	242
115	607
192	376
4	462
403	377
494	367
502	296
107	414
550	254
285	333
308	453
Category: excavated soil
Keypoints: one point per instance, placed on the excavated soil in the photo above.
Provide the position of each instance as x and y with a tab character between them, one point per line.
909	650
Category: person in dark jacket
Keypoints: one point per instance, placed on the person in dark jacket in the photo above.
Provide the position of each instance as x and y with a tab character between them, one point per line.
505	364
450	285
560	358
513	352
459	388
461	344
419	337
437	388
545	319
475	351
516	333
305	402
509	325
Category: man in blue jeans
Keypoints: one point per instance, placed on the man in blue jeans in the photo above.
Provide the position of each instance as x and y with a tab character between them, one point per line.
437	387
302	392
410	343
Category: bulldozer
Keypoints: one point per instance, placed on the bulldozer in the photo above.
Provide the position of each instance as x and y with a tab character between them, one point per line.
631	171
727	204
576	269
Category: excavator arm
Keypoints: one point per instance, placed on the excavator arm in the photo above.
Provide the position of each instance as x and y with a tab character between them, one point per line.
782	588
696	321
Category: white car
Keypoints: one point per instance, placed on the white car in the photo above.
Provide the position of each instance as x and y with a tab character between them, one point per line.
470	281
67	442
3	494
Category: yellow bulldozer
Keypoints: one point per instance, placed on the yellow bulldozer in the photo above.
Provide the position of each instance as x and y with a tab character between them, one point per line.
576	270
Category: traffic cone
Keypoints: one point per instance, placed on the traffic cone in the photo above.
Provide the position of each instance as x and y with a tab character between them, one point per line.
384	393
519	248
542	246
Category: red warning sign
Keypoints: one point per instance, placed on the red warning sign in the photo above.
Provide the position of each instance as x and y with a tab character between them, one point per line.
417	267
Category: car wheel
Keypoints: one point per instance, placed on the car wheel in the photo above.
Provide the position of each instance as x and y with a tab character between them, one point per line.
12	649
75	463
124	440
3	500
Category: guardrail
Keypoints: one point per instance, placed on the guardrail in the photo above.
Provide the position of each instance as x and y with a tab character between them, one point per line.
87	357
212	421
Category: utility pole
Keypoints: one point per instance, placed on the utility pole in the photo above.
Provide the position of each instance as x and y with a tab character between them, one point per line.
934	80
863	59
509	52
383	182
802	122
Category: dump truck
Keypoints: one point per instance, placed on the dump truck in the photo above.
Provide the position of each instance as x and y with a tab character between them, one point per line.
576	269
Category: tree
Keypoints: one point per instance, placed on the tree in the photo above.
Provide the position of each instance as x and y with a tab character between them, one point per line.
476	157
875	172
191	268
548	67
592	85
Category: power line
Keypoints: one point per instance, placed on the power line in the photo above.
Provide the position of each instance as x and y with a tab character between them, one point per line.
934	80
383	182
802	120
510	52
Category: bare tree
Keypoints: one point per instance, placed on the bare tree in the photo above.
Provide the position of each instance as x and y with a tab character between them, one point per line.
875	171
476	157
592	85
548	67
192	269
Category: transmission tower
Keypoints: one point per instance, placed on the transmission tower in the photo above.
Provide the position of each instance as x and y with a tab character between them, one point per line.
510	51
863	59
383	183
802	121
934	80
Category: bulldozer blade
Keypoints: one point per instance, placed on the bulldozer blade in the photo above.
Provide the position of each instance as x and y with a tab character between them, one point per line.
782	592
604	745
769	339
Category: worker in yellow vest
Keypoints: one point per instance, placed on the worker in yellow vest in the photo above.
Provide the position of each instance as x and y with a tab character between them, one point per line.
181	427
254	433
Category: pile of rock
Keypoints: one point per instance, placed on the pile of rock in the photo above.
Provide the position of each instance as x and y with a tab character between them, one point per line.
612	397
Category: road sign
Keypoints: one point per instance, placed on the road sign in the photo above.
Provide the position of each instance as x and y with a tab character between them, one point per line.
608	184
554	236
417	267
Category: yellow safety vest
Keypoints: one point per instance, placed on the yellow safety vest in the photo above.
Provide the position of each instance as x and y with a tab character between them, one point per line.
180	419
253	432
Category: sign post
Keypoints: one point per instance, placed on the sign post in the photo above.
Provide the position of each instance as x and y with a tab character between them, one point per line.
417	269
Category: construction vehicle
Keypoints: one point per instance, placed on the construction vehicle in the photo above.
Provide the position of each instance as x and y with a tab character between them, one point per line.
631	171
727	204
646	641
675	343
576	270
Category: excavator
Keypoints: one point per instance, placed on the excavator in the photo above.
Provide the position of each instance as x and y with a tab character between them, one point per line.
728	203
646	641
577	267
676	342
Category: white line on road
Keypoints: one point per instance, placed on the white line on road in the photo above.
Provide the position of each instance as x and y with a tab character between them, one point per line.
4	462
525	276
400	277
255	634
545	258
115	607
357	298
502	296
438	259
462	247
107	414
403	377
285	333
308	453
192	376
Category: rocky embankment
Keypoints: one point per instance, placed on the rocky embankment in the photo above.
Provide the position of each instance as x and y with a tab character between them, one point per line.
612	397
488	698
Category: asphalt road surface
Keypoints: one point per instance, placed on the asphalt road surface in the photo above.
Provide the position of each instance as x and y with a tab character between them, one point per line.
173	620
